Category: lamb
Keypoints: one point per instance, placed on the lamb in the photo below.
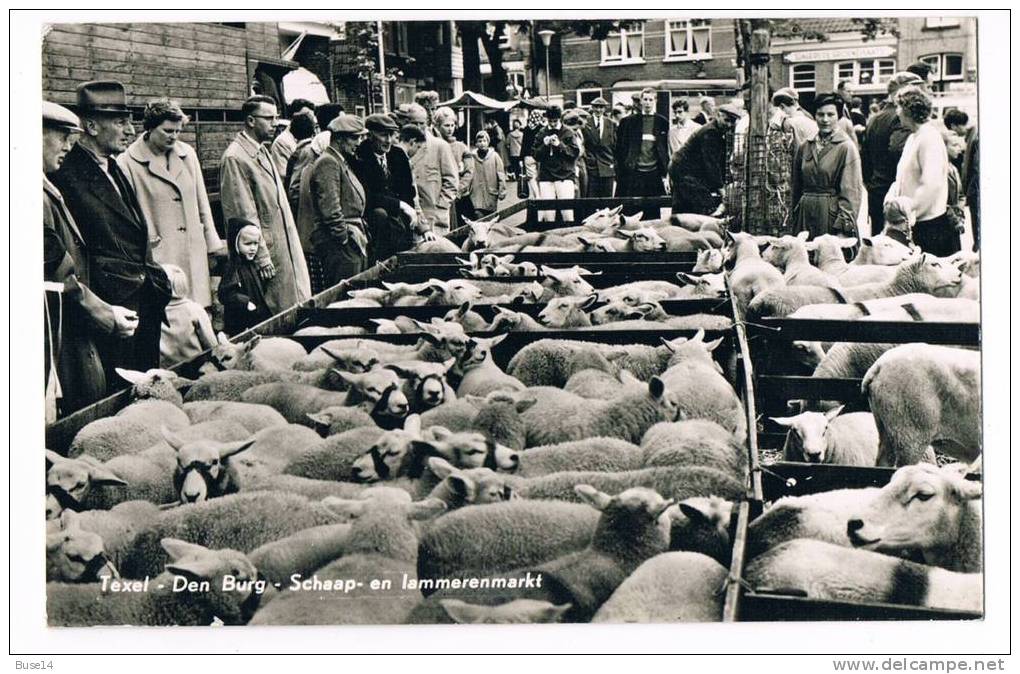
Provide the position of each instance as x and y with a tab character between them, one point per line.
924	395
817	437
203	468
597	384
245	521
230	385
700	389
927	509
322	330
425	385
751	276
675	481
709	260
499	418
156	384
479	373
847	312
456	415
161	605
471	486
882	250
829	258
929	308
383	545
619	310
273	448
253	417
695	442
789	254
295	401
118	526
333	457
567	312
441	293
486	234
636	292
506	320
472	321
301	553
701	285
73	554
518	611
133	429
339	419
783	301
69	482
551	362
922	274
669	587
258	353
596	454
704	524
627	416
351	359
643	240
438	245
821	570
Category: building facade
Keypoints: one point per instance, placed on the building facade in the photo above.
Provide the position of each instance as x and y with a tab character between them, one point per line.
949	46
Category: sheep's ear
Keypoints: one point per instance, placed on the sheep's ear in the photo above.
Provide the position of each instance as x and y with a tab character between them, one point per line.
69	520
803	236
347	509
101	476
171	438
230	449
657	388
550	613
714	344
589	301
850	243
222	339
585	272
320	418
252	343
624	233
585	240
439	433
178	549
524	405
463	613
493	341
463	309
550	271
674	344
426	509
628	378
462	486
592	496
834	412
693	510
810	245
967	490
788	422
350	378
402	372
133	376
182	382
412	424
332	354
440	467
53	457
473	399
686	279
449	363
699	336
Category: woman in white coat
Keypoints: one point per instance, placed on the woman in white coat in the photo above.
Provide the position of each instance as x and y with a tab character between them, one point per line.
166	176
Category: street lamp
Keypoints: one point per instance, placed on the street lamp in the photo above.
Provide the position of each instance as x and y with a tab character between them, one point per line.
546	36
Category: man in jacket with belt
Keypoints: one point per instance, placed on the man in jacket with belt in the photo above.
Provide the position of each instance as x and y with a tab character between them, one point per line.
642	155
99	198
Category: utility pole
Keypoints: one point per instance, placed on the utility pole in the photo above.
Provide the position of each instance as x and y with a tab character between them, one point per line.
756	144
383	83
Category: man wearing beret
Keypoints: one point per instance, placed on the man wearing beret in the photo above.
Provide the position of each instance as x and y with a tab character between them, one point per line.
115	234
78	378
642	155
385	172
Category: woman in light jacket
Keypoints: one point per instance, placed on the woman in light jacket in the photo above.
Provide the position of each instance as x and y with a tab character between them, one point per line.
166	176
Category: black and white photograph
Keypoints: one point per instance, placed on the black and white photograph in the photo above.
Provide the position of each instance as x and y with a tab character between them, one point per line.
412	319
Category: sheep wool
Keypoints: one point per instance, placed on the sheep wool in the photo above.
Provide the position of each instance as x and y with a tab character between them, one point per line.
294	401
696	442
332	458
673	482
605	455
252	417
302	552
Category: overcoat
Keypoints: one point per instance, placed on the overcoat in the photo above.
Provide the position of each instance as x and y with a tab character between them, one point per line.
599	148
826	186
436	176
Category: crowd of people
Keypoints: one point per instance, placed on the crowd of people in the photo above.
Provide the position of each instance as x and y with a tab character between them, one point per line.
132	248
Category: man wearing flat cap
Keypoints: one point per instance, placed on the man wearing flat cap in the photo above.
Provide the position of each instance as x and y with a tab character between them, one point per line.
253	190
698	170
335	198
599	144
385	172
642	155
114	232
75	314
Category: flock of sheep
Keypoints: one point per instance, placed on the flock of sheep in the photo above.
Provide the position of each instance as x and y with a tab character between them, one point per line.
368	482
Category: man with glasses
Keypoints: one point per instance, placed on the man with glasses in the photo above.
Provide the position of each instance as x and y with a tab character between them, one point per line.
252	189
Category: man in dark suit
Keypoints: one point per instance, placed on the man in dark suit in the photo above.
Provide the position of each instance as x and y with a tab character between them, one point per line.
599	145
115	234
385	172
642	155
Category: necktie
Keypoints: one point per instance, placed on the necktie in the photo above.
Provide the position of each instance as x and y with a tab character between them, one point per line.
127	195
384	165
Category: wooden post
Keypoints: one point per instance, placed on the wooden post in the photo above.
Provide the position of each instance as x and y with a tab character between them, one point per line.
755	148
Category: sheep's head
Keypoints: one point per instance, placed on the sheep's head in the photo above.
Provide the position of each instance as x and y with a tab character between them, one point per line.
603	219
807	432
69	481
695	348
783	249
705	524
480	234
704	285
563	282
602	244
518	611
919	510
447	337
426	381
505	320
829	246
808	353
883	250
229	356
470	449
935	275
525	268
619	310
385	526
529	293
969	263
354	359
373	387
479	351
665	400
709	260
74	555
565	312
460	314
635	522
202	465
470	486
643	240
397	453
198	563
156	384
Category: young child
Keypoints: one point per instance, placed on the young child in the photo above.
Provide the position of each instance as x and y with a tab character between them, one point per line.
488	182
899	219
188	330
241	290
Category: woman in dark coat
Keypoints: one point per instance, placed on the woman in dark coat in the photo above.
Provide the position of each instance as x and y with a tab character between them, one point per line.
826	178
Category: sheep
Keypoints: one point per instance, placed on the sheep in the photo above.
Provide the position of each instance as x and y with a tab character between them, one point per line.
74	554
847	312
518	611
322	330
165	603
924	395
156	412
294	401
156	384
302	552
471	486
817	437
351	359
929	308
704	524
829	258
627	416
676	481
821	570
230	385
697	382
751	276
69	482
258	353
567	312
471	320
333	457
680	240
927	509
499	418
784	300
204	469
244	521
709	260
314	490
597	384
338	419
922	274
253	417
695	442
701	285
118	526
479	373
643	240
438	245
486	234
822	516
619	310
636	292
669	587
273	448
696	222
551	362
881	249
590	454
456	415
382	545
789	254
440	341
506	320
126	433
425	384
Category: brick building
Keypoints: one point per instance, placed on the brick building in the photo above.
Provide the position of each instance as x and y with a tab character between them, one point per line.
209	68
949	46
679	58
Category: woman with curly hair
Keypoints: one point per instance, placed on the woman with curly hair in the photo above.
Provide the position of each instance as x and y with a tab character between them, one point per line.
923	174
165	174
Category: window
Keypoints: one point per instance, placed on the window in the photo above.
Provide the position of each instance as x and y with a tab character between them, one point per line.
866	72
626	46
945	67
688	39
586	96
802	77
941	22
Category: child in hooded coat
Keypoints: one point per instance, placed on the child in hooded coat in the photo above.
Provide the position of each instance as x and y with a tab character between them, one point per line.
241	290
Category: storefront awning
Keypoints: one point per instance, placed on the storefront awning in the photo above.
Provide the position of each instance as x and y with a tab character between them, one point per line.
677	85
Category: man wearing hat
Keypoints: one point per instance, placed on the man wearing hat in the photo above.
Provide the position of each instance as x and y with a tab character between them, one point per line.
884	138
642	155
114	232
74	313
794	118
556	151
385	172
252	189
599	143
335	198
698	171
434	169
